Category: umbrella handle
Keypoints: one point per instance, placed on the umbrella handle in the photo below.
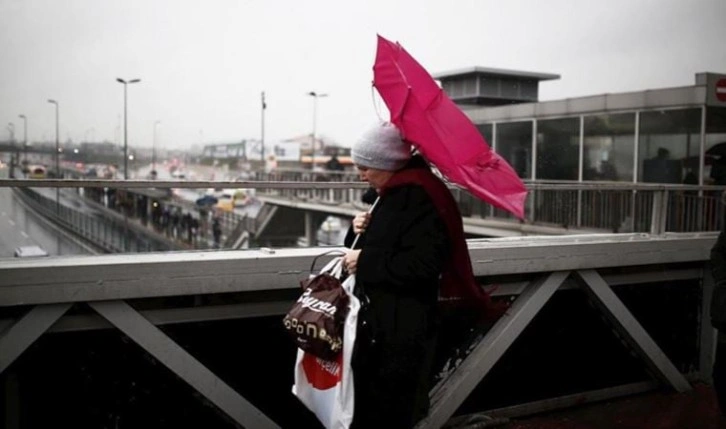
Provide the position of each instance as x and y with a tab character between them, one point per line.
370	210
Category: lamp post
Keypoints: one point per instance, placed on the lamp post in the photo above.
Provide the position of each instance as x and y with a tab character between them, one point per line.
57	156
15	156
57	142
25	137
11	130
262	131
153	149
315	96
126	130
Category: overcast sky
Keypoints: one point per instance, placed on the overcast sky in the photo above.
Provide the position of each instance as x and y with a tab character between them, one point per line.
203	64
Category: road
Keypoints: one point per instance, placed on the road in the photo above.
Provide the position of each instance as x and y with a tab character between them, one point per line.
21	227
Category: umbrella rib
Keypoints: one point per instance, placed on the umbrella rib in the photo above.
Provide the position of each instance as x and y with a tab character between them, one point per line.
408	88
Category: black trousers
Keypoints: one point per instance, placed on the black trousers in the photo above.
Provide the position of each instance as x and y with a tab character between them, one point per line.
392	384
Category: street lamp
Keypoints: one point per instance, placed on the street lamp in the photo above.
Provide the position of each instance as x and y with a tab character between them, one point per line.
16	156
126	130
57	157
153	149
57	142
25	137
11	130
262	130
315	96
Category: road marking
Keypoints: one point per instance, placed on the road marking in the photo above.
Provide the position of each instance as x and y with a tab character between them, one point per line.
23	234
12	222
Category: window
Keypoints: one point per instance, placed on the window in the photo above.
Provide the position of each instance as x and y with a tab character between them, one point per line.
715	168
558	149
514	144
668	145
486	132
609	142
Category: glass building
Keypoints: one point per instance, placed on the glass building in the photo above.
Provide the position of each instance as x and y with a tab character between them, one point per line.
670	135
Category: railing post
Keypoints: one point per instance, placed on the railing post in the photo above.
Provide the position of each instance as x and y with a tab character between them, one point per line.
310	232
659	215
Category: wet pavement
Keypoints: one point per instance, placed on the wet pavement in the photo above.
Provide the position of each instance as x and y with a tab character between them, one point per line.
696	409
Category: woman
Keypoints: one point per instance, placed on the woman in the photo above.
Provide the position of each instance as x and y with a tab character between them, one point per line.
411	252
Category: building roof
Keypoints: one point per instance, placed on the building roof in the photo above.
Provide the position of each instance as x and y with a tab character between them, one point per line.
648	99
488	71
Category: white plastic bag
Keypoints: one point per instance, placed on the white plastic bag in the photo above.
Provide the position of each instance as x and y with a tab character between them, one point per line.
326	387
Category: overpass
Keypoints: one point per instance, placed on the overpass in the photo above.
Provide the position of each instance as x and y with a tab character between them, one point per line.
12	147
143	296
626	281
296	202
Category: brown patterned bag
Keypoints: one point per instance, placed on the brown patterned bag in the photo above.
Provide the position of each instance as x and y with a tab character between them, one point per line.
315	322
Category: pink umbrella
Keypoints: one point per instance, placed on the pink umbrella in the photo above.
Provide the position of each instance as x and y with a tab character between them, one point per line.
446	137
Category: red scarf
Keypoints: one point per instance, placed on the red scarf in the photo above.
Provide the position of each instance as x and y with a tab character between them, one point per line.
457	279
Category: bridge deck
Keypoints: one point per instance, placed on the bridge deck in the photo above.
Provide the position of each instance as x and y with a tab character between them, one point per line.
696	409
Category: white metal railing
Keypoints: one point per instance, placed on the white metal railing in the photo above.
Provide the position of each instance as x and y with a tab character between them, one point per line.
121	291
594	206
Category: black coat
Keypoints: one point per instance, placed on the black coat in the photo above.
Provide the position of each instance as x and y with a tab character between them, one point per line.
718	269
403	253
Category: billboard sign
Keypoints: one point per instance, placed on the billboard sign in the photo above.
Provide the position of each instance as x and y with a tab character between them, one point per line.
283	151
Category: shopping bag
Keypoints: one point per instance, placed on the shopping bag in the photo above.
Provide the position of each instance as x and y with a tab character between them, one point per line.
326	386
316	320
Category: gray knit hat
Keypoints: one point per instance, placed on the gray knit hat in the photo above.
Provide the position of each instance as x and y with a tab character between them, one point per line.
381	148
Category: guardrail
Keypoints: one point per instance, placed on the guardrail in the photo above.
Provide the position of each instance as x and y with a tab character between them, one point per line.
139	293
112	232
596	206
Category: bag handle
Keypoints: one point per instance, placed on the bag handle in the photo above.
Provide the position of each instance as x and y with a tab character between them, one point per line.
329	252
338	269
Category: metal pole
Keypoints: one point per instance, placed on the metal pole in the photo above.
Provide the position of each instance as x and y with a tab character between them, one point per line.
312	136
57	156
153	148
11	130
14	154
315	96
126	136
315	121
262	134
57	140
126	133
25	137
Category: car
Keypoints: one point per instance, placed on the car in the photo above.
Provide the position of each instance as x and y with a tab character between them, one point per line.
30	252
37	172
228	199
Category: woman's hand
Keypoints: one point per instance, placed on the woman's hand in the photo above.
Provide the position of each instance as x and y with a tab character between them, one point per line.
350	261
360	222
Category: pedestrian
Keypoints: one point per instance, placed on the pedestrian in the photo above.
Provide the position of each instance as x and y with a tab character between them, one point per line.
194	229
411	248
334	163
718	317
175	219
165	220
216	232
186	223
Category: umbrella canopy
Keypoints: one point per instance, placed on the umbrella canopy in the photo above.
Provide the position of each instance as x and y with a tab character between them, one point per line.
207	200
446	137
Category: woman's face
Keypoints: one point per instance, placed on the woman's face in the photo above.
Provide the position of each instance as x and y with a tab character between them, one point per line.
376	178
